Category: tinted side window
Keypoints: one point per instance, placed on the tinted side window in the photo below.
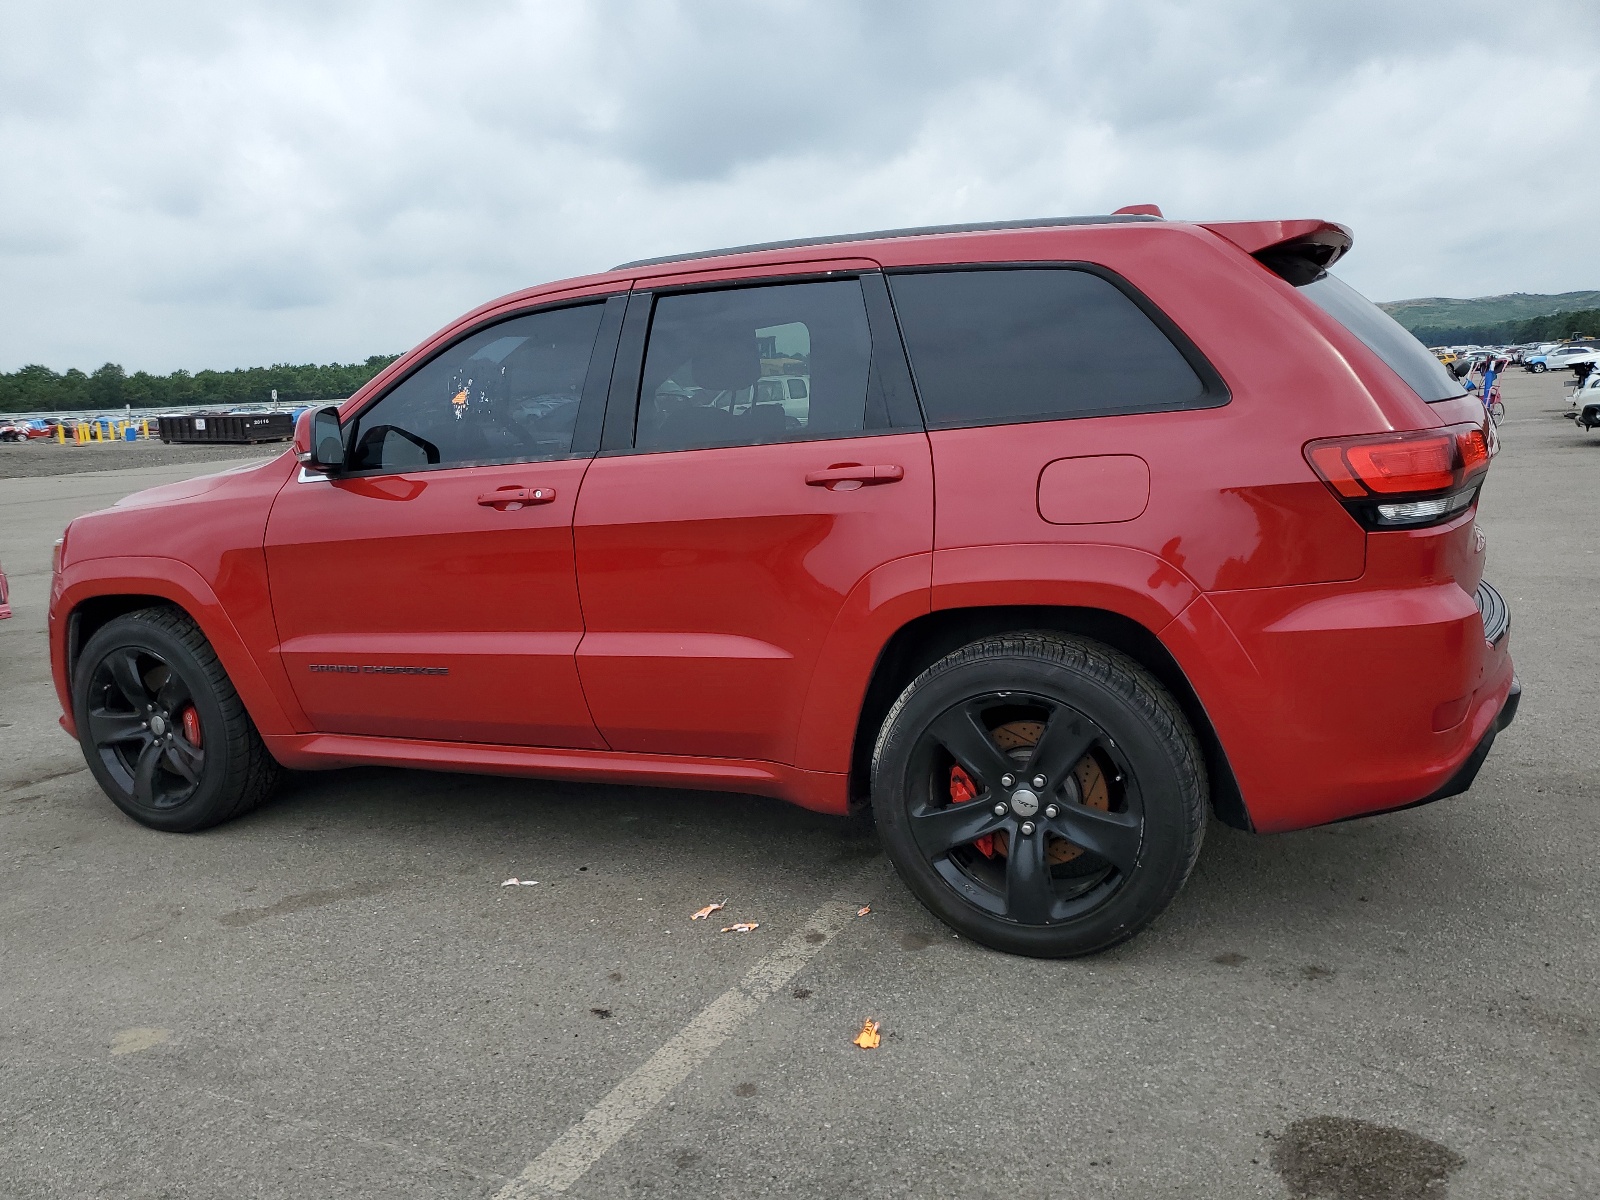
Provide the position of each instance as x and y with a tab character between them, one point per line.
721	367
508	393
996	347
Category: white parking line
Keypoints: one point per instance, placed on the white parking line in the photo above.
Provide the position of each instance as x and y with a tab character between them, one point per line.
608	1122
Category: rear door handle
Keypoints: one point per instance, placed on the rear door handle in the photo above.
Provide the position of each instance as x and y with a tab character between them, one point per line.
845	476
513	498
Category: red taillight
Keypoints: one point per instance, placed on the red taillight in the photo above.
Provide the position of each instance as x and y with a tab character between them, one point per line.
1390	480
1474	449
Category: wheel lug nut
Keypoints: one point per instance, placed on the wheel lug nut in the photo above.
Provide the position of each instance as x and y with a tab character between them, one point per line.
1027	828
999	810
1052	812
1008	781
1038	782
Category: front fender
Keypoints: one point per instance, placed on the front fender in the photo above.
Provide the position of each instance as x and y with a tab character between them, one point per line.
180	584
1129	582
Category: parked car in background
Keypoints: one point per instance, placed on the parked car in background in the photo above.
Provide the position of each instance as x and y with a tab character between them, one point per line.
1088	528
5	595
791	391
1561	358
1584	402
1586	410
23	431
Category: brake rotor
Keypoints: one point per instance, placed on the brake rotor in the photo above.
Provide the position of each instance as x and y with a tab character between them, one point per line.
1017	739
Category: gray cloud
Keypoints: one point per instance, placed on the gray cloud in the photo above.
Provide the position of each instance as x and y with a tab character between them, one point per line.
212	185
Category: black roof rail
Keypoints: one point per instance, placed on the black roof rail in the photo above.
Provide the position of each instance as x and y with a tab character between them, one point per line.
878	234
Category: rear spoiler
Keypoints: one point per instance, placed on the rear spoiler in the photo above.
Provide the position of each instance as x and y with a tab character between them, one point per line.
1299	251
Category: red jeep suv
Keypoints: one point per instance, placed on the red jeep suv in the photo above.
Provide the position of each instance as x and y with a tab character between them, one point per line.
1042	537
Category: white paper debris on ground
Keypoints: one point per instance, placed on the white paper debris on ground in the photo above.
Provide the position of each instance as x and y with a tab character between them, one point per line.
741	927
515	882
708	910
511	882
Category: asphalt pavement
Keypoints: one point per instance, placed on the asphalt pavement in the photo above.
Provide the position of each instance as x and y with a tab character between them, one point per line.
336	996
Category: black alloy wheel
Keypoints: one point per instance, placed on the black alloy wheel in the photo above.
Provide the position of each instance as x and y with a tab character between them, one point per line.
145	728
162	728
1041	794
1026	846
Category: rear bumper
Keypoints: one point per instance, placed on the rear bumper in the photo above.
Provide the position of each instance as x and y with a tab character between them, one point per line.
1463	778
1360	700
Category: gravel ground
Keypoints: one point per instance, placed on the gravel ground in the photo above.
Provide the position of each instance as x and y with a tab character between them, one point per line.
30	460
335	996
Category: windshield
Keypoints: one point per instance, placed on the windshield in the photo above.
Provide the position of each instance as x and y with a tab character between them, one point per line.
1385	337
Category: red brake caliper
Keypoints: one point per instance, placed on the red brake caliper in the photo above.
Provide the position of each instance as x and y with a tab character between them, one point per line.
963	789
191	725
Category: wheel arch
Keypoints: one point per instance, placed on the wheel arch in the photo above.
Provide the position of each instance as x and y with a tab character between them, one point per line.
86	603
922	641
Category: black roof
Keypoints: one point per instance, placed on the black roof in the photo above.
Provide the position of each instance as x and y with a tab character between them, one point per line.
877	234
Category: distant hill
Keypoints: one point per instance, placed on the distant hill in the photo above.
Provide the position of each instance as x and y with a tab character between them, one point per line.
1443	321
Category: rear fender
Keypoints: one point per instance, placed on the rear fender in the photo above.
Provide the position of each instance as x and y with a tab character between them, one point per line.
885	599
1119	579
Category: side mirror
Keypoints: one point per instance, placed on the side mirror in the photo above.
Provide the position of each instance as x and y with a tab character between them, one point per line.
318	442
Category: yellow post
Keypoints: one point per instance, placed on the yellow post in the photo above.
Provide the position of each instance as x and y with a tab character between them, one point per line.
61	435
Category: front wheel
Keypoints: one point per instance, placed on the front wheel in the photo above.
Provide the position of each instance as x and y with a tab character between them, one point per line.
162	728
1538	368
1041	794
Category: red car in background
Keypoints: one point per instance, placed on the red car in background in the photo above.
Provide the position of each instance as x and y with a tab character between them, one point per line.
1042	538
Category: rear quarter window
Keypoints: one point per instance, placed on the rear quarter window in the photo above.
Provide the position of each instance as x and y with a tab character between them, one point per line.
1385	337
1011	345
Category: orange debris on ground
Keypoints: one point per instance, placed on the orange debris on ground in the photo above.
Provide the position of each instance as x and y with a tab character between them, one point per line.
868	1038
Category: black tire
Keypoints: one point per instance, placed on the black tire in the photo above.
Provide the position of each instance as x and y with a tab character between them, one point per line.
1099	720
135	680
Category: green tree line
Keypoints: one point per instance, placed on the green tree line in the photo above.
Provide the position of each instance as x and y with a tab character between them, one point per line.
1585	323
35	388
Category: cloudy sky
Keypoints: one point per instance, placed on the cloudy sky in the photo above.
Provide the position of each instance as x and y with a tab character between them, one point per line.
216	185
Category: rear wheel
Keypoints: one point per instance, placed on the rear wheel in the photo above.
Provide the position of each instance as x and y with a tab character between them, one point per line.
162	728
1041	794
